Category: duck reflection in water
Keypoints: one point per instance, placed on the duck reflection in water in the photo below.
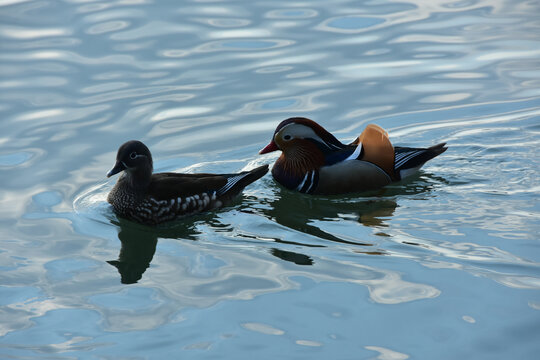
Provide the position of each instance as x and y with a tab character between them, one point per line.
139	242
138	246
290	209
298	259
373	209
300	212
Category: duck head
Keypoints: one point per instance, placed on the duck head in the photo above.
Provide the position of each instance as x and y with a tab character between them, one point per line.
135	159
298	132
303	142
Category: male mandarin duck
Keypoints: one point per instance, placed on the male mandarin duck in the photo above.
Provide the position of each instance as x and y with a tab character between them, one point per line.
313	161
151	199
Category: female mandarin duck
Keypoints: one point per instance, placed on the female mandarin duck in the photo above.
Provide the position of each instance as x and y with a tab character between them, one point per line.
151	199
313	161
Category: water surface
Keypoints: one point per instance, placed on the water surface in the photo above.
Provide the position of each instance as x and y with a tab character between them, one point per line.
444	265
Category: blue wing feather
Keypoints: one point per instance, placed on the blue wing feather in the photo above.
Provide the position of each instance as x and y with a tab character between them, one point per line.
334	154
337	156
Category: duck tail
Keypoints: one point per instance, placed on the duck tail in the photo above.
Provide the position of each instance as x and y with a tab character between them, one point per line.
410	160
237	182
436	150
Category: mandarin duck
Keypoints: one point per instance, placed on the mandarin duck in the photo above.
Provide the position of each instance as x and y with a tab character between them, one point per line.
151	199
313	161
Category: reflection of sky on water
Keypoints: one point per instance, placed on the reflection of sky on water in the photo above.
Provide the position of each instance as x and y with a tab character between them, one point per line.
446	260
350	24
195	277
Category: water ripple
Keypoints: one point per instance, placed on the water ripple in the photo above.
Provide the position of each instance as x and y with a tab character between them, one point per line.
241	45
350	24
288	14
22	33
204	84
106	27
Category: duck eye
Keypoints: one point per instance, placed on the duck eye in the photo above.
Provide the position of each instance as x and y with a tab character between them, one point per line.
133	155
287	137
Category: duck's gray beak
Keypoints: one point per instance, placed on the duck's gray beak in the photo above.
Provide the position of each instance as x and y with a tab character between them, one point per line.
119	166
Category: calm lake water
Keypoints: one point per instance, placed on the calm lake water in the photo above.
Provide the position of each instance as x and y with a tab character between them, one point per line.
443	266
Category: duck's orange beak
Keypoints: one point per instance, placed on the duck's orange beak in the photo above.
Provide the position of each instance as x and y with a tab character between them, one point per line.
269	148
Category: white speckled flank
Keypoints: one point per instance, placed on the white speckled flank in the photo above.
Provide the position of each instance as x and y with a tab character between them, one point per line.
156	211
153	211
151	198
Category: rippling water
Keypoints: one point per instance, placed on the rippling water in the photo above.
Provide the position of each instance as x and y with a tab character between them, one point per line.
445	265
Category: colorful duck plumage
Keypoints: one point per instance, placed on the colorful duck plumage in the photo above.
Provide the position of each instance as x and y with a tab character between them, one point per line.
313	161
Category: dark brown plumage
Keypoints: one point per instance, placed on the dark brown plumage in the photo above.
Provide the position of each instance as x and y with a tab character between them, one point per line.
151	199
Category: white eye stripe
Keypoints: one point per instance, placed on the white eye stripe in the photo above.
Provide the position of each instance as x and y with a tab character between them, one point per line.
299	131
134	155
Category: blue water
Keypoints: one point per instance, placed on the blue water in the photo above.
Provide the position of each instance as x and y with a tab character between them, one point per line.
445	265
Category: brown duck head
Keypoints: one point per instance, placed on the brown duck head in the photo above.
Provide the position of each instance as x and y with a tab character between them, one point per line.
303	143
